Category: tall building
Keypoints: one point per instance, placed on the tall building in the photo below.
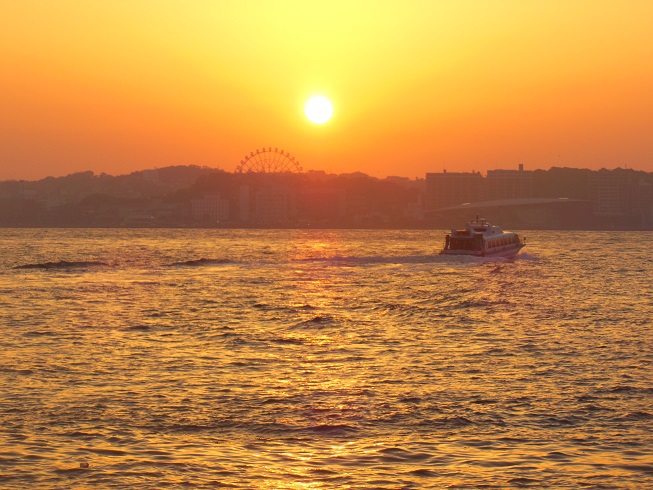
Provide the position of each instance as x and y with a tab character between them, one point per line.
322	205
244	208
611	192
508	184
452	189
211	208
274	204
621	197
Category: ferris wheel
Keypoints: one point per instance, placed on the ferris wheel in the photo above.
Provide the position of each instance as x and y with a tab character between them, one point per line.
269	160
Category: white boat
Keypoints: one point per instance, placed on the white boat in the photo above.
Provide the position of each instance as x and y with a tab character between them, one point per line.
481	239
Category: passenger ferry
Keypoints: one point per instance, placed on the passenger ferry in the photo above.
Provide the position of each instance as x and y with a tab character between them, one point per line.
482	239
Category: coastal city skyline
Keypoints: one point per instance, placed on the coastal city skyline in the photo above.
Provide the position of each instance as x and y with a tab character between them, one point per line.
297	168
272	191
406	88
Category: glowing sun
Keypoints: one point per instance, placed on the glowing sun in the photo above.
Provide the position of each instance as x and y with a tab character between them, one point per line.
318	109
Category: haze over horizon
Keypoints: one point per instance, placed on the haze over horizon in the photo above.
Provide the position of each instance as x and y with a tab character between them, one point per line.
418	87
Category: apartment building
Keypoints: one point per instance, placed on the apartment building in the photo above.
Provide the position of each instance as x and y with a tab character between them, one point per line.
507	184
452	188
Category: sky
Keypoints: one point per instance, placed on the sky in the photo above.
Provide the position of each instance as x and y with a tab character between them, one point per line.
416	86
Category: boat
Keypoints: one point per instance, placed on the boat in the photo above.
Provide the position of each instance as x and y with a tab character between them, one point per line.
481	239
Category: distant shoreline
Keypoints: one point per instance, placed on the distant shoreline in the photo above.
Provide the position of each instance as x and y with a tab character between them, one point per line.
335	228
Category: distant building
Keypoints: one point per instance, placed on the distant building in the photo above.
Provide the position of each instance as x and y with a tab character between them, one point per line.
243	203
273	204
611	192
151	176
508	184
12	189
211	208
621	198
321	205
452	188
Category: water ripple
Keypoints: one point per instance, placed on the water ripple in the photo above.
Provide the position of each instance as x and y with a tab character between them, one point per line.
322	359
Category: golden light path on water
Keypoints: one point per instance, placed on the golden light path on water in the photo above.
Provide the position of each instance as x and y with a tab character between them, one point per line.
323	359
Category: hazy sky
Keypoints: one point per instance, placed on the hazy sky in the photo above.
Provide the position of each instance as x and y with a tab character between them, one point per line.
417	86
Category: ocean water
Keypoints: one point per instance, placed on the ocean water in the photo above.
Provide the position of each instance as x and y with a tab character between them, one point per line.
323	359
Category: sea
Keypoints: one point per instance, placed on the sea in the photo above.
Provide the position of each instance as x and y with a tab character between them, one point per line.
315	359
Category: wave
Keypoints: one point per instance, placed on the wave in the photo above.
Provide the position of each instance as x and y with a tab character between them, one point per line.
634	417
199	262
455	421
418	259
62	264
644	468
138	328
399	455
331	429
404	259
526	256
628	389
317	322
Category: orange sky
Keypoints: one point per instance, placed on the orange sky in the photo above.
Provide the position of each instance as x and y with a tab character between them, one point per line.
417	86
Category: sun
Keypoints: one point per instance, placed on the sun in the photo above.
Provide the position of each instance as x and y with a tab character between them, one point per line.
318	109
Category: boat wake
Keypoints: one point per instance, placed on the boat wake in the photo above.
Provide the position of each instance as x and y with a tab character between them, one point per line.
332	261
364	260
